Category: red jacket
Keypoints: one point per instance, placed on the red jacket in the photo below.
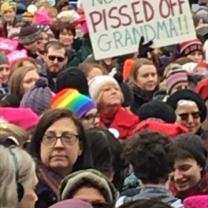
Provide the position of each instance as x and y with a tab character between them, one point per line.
124	122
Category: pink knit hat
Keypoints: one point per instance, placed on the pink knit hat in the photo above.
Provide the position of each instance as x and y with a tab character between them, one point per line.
22	117
41	18
200	201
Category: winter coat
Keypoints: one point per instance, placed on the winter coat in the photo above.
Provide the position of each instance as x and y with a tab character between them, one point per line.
152	192
124	122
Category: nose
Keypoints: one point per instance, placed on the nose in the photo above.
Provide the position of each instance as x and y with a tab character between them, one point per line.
96	121
190	119
177	175
59	143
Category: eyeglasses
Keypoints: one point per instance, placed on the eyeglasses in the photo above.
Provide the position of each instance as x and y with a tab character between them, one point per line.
58	58
67	138
185	116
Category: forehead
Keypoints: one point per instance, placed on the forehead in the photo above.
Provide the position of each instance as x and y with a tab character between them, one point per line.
146	69
53	51
63	124
185	161
187	108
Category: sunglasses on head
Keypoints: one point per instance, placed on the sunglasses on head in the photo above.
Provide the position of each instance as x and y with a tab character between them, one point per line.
59	59
184	116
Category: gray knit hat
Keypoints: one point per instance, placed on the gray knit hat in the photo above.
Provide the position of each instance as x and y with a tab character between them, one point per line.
39	97
29	34
74	181
3	58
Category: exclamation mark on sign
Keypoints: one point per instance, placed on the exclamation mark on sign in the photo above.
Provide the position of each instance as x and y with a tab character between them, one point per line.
186	24
180	25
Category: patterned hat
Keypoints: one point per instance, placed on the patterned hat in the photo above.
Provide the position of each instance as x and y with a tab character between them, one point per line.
70	98
190	46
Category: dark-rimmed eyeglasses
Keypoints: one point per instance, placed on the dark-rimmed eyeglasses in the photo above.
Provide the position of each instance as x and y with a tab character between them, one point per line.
185	116
58	58
67	138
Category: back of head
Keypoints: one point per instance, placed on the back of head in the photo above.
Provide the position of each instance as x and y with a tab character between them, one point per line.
145	203
87	178
8	193
106	154
150	152
72	78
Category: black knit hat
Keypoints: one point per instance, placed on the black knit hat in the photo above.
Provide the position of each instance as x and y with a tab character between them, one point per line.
29	34
72	78
157	109
192	144
187	94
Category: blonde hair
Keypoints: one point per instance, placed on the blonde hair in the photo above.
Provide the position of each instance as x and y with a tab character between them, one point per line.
8	129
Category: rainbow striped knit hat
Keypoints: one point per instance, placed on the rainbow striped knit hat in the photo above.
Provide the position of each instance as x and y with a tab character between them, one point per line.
70	98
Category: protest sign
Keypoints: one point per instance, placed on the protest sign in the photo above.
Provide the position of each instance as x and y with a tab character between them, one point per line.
116	26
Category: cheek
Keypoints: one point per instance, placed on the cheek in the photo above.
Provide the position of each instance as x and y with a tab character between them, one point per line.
44	155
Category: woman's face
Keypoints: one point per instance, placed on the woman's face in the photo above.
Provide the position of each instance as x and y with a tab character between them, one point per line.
66	38
147	78
60	146
29	199
9	15
186	174
90	119
4	73
189	116
111	95
29	80
196	56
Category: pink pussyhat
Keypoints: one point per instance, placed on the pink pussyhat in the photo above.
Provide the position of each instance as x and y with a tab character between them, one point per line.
41	18
82	21
200	201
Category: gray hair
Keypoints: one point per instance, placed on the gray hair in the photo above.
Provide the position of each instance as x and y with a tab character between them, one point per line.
8	187
26	168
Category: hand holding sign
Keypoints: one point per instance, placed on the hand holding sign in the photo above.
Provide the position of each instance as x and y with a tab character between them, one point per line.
144	48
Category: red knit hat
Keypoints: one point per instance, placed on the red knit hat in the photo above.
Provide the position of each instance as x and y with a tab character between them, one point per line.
168	129
202	89
190	46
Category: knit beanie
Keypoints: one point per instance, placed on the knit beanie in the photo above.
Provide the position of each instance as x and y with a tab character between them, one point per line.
196	201
29	34
74	181
3	58
187	94
175	77
71	203
192	144
168	129
190	46
70	98
22	117
38	98
97	83
74	78
202	89
41	18
157	109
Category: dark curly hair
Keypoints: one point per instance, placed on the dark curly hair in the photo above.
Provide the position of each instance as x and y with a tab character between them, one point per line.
152	156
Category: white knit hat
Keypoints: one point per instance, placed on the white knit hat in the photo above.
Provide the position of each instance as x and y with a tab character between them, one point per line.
97	83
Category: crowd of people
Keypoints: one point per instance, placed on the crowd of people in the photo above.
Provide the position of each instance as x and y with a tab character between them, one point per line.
122	132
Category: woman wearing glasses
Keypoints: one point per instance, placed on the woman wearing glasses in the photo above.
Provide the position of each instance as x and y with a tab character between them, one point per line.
190	109
60	147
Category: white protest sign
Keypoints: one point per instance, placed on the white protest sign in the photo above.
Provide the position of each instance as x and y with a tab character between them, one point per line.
116	26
